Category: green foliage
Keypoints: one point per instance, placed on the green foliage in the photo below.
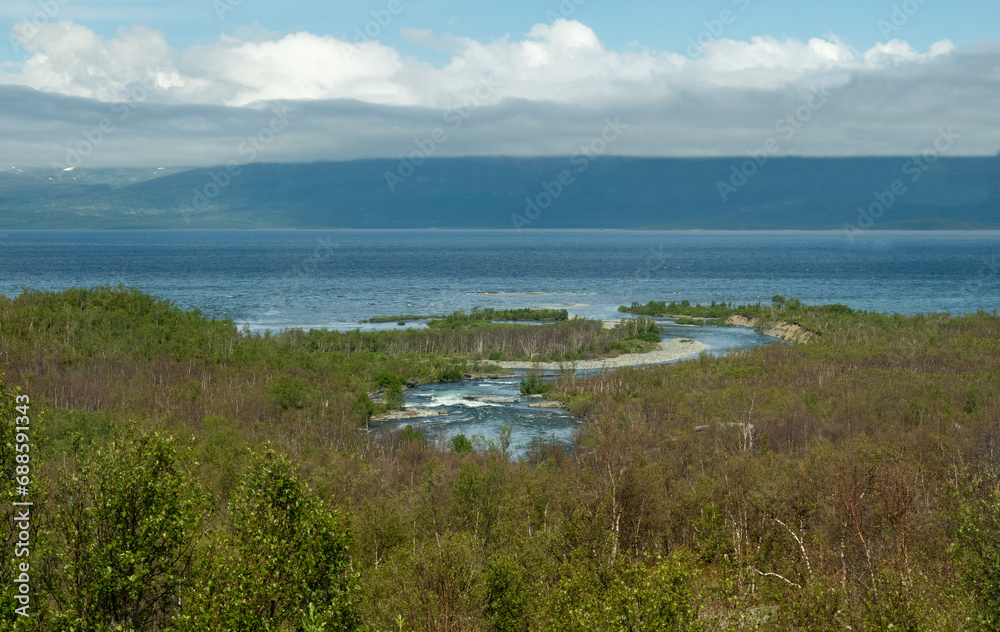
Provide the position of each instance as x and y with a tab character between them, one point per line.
482	315
79	326
453	373
508	595
410	434
289	391
283	549
636	335
640	329
977	545
122	527
394	397
461	444
813	317
481	498
387	379
399	319
645	595
363	408
816	607
531	384
792	487
112	322
684	308
488	315
312	621
712	322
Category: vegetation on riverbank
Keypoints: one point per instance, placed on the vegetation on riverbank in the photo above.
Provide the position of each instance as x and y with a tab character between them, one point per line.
684	308
189	476
782	314
482	315
711	322
397	319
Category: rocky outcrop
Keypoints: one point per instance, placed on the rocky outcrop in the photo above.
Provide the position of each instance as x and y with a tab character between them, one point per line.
409	413
491	399
487	376
545	404
784	329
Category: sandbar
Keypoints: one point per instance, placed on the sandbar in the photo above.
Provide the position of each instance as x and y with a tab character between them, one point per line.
669	351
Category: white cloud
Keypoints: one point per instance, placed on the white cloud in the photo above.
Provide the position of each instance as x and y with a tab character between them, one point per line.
551	90
563	62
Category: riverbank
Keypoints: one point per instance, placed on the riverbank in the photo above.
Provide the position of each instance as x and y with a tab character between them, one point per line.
786	330
669	351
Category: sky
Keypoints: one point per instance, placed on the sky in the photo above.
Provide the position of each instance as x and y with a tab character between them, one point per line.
208	82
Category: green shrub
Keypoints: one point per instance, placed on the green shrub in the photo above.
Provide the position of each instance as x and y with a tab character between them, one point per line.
453	373
643	595
394	397
409	434
363	408
977	546
289	391
508	595
461	444
123	524
531	384
282	551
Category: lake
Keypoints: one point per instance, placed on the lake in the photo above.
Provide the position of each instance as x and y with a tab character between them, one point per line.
281	279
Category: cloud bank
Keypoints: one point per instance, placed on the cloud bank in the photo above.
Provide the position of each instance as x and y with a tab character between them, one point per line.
545	93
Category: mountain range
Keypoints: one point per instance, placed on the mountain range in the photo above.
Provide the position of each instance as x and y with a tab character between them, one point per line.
923	192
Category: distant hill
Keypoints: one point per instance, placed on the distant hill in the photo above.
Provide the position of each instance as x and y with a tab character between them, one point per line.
610	192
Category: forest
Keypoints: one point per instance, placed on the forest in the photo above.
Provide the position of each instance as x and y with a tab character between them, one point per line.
187	475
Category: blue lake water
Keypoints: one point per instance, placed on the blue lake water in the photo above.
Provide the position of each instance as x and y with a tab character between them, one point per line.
281	279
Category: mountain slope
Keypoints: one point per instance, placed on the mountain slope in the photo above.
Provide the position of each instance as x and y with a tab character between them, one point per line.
611	192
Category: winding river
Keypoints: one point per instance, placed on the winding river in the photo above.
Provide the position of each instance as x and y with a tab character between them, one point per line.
481	420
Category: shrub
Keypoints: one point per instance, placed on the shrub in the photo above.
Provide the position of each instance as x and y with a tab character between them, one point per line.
394	397
123	527
461	444
289	391
977	547
282	551
409	433
531	384
453	373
